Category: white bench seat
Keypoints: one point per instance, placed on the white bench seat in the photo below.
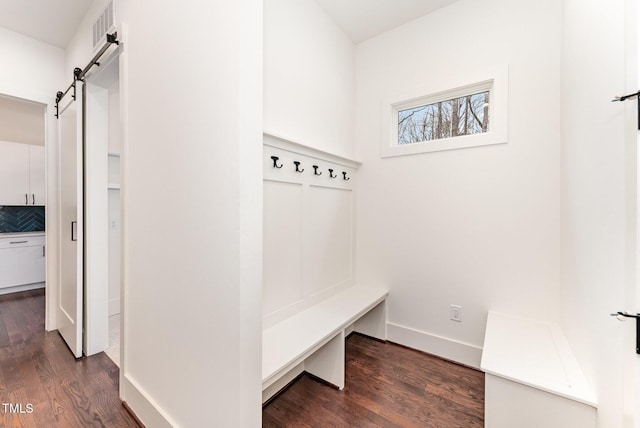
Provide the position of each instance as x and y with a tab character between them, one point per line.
532	377
313	339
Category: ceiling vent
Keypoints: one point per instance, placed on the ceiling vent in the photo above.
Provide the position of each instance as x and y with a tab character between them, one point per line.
105	23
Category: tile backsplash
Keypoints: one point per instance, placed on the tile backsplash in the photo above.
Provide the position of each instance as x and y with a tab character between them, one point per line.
27	218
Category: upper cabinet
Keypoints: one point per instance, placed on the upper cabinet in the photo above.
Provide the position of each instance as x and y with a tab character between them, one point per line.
36	175
22	174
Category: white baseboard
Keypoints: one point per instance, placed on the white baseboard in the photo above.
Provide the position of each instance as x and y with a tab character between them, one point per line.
144	407
19	288
459	352
274	388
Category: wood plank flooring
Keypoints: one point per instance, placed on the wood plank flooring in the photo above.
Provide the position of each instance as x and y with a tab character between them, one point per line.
37	368
386	386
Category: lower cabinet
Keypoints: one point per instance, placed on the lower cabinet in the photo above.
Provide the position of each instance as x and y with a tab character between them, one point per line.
22	260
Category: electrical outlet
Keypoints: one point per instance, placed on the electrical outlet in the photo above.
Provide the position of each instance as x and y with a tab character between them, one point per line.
455	313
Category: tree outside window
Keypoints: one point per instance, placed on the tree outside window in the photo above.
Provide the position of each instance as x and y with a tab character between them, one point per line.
465	115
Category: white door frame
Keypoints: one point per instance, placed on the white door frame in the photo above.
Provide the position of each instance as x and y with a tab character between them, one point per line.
51	207
121	53
96	338
123	74
96	192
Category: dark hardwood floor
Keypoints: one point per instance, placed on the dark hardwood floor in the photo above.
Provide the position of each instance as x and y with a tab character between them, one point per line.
39	373
386	385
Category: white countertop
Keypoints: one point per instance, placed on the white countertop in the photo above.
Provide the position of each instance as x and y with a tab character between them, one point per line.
18	234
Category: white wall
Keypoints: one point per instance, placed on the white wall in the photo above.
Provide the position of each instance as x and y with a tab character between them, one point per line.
114	146
115	131
308	77
79	50
192	209
598	196
477	227
114	251
33	70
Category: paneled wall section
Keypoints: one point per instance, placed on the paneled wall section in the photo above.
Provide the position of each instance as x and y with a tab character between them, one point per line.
309	240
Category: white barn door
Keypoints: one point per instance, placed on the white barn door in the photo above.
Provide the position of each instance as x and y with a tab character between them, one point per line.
70	307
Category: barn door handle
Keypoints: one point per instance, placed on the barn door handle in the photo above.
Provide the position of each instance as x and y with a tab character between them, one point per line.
621	316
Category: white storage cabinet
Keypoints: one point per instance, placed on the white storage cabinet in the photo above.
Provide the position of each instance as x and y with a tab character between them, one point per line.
22	260
22	176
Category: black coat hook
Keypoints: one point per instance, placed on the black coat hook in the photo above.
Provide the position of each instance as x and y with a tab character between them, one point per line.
344	176
275	162
331	173
315	170
297	166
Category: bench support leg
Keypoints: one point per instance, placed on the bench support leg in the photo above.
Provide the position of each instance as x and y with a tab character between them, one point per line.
373	323
328	362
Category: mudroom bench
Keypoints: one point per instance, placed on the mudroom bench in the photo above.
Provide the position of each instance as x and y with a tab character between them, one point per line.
532	378
313	340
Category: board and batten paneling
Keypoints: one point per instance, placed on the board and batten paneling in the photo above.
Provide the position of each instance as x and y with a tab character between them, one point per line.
330	228
308	225
282	244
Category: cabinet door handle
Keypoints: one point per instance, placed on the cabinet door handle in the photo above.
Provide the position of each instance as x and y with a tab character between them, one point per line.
26	199
18	242
43	251
73	231
33	196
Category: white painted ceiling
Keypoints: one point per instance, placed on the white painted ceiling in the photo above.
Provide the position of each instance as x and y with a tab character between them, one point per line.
54	21
50	21
21	121
363	19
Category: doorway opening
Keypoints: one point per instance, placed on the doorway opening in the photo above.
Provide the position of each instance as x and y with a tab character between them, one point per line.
22	195
89	121
103	190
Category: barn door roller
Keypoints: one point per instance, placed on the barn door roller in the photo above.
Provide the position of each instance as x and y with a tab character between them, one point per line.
628	97
79	73
621	316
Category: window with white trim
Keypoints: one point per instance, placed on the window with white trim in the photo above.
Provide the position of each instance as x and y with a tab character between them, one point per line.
444	119
473	113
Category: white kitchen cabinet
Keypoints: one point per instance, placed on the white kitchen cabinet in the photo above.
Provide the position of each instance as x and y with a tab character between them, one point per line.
22	175
14	173
37	190
22	260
